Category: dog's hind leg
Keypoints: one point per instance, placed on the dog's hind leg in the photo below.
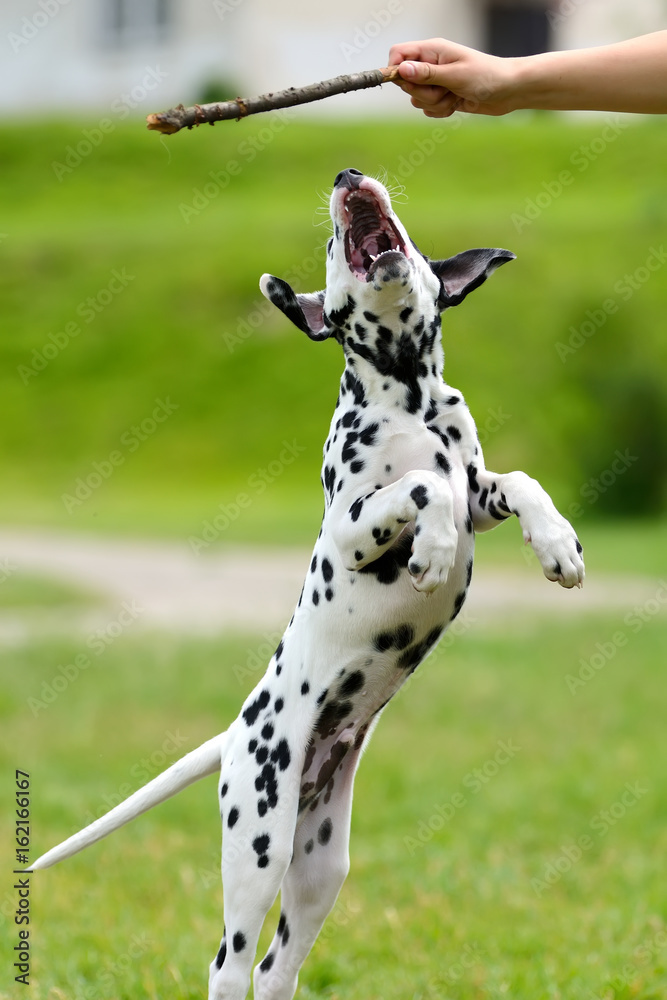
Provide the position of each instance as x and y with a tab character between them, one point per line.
253	868
259	812
319	867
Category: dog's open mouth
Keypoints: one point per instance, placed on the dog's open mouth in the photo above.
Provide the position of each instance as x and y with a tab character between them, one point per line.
369	235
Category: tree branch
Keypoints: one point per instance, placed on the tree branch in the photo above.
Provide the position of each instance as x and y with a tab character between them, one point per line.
177	118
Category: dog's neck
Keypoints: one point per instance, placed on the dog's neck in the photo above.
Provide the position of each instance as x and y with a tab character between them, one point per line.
392	359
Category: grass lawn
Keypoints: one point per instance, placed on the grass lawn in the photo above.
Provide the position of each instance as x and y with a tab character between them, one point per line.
517	848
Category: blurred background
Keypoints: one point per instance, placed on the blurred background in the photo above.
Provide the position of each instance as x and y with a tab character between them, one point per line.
160	437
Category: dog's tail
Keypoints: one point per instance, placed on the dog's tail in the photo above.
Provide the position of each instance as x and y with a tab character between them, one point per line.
197	764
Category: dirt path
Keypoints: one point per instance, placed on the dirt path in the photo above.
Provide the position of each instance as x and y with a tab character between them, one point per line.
247	589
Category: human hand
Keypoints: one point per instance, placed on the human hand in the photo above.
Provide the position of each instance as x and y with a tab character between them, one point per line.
443	77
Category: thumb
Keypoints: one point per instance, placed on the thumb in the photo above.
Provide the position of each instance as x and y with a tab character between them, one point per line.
417	72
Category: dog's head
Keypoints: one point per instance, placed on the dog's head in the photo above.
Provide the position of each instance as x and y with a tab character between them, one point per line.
373	266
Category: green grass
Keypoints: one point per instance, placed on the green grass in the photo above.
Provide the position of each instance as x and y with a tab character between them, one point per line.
188	324
433	908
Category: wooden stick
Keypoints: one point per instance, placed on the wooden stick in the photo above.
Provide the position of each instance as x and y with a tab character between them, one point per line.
177	118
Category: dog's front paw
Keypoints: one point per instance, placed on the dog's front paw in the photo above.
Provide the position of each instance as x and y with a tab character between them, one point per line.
430	564
559	550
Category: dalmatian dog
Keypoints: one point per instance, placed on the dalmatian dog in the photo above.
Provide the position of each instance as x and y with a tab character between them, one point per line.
405	490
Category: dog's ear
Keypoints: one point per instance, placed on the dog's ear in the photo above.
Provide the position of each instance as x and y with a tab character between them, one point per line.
465	272
305	311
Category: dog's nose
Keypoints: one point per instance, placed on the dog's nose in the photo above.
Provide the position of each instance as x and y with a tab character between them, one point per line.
348	178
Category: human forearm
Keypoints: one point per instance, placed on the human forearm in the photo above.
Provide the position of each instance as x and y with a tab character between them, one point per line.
628	76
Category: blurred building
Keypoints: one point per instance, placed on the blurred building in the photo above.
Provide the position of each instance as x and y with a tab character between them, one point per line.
140	55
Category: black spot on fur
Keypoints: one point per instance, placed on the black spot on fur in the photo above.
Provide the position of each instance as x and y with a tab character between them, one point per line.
442	462
329	479
431	412
313	565
309	845
356	388
338	316
327	570
232	819
388	567
316	597
502	505
420	496
221	956
305	687
494	512
266	963
349	451
279	705
224	790
239	941
353	683
411	657
472	478
325	831
266	782
381	537
331	716
328	593
458	603
267	731
367	436
261	844
253	710
398	639
281	755
355	509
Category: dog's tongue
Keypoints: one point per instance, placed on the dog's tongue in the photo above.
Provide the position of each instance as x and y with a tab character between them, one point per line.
369	248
